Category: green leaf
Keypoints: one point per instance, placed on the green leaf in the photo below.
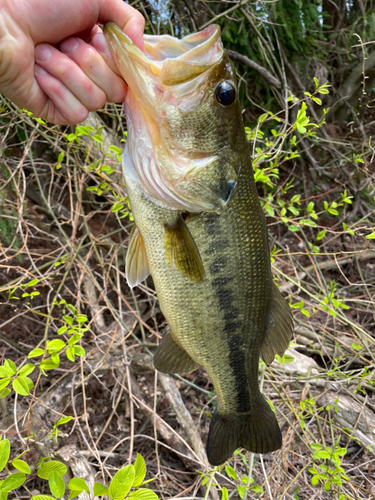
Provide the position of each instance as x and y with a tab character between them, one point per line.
4	394
224	494
75	338
55	345
21	465
285	359
48	364
140	470
262	117
35	353
115	149
29	382
73	310
13	481
32	283
293	228
315	480
321	235
231	472
78	484
307	222
4	383
5	371
79	351
81	130
10	366
100	490
340	451
117	206
317	100
27	369
51	466
70	354
4	453
81	318
106	169
55	358
370	236
63	420
321	454
68	319
21	386
56	484
42	497
241	490
144	494
121	483
62	330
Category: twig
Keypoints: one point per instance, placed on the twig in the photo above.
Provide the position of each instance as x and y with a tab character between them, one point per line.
275	82
183	416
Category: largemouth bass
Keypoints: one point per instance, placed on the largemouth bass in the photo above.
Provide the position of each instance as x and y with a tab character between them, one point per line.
200	230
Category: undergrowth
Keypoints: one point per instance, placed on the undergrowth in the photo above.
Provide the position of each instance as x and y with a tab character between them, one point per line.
81	407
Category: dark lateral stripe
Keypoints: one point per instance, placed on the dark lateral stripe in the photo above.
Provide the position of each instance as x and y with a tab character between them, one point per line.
237	364
232	325
218	265
217	245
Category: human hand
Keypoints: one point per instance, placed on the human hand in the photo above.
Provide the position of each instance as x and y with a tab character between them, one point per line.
62	86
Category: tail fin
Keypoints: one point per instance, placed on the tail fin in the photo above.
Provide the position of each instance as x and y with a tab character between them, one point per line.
257	431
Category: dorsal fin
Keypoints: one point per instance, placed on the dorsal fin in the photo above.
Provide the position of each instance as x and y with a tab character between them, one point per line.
280	327
136	266
181	250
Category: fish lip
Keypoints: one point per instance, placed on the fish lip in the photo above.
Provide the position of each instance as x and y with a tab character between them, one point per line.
173	61
118	39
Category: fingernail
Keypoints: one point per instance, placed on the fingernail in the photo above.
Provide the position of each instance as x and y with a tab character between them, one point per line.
100	43
38	70
42	53
69	45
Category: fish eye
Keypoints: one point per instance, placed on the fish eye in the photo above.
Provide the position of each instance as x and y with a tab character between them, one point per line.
225	93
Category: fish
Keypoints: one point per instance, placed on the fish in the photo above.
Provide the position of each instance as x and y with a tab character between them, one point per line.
200	230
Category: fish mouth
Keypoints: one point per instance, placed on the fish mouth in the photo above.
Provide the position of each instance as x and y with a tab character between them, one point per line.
170	60
169	79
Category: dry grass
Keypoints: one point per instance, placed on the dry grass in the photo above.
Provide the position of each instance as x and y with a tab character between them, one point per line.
54	230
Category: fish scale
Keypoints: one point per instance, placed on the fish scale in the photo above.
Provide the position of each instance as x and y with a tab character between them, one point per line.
210	263
235	296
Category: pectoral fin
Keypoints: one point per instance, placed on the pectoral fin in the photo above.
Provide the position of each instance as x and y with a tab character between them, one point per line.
280	327
136	266
181	250
170	358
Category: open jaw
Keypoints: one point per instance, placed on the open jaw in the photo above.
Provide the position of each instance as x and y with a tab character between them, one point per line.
169	70
170	60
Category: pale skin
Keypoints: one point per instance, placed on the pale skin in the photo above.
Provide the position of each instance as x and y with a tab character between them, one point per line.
54	60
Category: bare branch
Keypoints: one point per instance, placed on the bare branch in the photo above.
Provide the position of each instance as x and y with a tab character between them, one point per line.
275	82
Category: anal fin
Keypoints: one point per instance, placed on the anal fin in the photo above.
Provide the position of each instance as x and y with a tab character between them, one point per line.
181	250
136	266
170	358
280	327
